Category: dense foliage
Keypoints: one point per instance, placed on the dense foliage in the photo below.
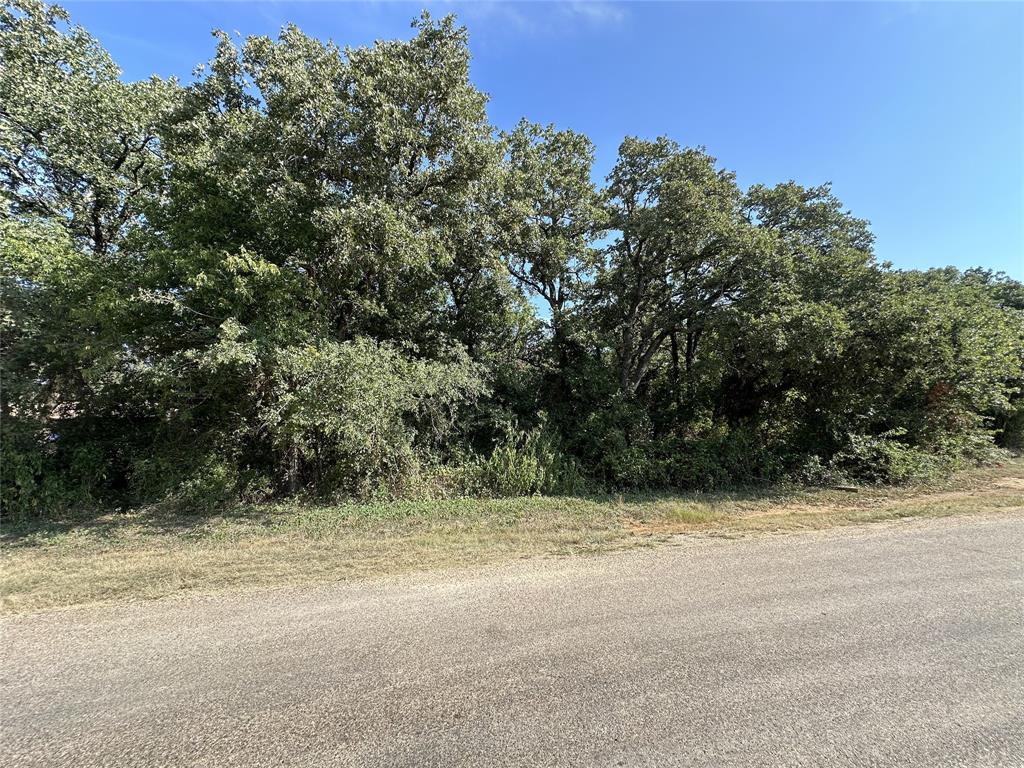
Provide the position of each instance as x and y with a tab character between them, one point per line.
321	270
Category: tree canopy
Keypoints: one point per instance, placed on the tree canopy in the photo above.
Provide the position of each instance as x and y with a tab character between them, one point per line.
321	270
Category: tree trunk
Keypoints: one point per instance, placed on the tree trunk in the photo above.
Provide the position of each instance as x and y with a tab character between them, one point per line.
293	469
676	395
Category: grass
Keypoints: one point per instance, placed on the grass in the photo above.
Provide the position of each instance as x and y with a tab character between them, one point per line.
150	554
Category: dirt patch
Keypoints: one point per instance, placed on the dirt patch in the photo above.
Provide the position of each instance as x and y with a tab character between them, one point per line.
784	510
642	528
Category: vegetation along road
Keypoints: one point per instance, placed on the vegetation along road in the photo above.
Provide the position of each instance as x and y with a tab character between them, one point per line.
893	644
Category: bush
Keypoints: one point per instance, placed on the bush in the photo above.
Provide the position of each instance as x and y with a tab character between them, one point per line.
884	459
733	459
524	463
635	466
37	479
816	473
359	417
199	483
1011	429
969	449
708	463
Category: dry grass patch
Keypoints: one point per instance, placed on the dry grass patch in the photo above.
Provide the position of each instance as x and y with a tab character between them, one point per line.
148	554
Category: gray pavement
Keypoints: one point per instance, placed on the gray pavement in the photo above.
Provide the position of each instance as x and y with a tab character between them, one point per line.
887	645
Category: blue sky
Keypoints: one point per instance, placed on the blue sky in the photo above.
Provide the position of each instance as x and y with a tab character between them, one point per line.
915	111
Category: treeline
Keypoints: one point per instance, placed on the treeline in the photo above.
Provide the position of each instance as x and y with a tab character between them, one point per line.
322	271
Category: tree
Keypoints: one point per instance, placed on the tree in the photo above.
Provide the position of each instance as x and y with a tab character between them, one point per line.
555	213
319	269
681	256
76	143
789	334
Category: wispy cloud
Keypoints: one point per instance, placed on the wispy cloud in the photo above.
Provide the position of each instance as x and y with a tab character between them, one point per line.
594	11
536	17
514	15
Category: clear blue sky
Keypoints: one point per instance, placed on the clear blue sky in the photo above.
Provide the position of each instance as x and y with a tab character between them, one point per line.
914	111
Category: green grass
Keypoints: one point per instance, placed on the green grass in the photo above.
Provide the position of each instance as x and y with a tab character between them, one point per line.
153	553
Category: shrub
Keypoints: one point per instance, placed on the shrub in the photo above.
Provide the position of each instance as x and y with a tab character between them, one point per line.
720	461
359	417
201	482
707	463
634	466
37	479
1011	429
883	458
523	463
969	449
816	473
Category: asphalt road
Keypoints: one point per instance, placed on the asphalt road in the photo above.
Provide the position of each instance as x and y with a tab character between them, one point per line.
896	644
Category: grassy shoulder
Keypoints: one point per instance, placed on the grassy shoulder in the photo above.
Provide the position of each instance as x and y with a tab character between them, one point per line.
147	554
